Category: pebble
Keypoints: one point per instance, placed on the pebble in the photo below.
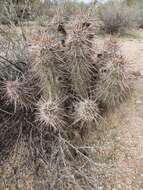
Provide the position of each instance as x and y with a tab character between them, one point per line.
138	102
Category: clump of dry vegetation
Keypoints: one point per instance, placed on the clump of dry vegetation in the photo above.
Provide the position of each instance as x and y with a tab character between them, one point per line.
46	105
117	17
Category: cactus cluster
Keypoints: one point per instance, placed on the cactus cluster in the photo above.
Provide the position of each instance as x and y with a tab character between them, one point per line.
42	102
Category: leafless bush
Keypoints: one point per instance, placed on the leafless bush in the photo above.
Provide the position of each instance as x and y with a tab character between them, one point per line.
15	13
139	10
117	17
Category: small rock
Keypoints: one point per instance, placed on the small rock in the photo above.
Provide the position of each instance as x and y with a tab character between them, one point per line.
138	102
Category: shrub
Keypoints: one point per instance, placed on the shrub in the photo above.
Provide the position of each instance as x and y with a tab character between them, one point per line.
117	17
139	10
13	13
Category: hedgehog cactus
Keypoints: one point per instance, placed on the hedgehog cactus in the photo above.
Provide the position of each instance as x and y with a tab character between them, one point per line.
51	113
86	113
19	92
22	92
112	87
53	69
80	58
